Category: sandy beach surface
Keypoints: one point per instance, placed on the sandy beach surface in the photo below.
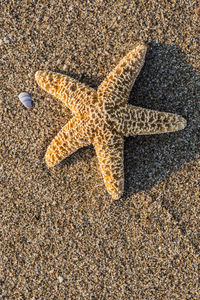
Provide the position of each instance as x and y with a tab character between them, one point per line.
61	234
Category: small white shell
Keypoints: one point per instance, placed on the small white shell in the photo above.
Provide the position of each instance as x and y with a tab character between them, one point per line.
25	99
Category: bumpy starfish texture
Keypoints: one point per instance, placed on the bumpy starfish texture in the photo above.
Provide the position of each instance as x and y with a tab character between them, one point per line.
103	117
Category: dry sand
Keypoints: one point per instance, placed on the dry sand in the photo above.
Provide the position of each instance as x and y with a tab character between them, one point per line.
62	236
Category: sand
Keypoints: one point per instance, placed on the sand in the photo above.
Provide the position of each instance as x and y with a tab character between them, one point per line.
61	235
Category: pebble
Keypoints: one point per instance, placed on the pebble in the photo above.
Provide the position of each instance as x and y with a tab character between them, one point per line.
60	279
6	40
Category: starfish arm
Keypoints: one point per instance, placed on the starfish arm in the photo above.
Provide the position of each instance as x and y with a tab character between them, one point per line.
139	121
70	138
75	95
118	84
110	156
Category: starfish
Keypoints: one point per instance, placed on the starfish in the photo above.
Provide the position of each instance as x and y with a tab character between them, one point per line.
103	117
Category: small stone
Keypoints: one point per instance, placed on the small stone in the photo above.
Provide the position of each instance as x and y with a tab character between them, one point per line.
198	11
60	279
7	40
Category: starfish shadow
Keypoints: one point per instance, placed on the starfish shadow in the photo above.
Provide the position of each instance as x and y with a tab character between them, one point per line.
166	83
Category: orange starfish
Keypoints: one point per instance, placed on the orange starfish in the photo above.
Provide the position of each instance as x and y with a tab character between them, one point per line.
103	117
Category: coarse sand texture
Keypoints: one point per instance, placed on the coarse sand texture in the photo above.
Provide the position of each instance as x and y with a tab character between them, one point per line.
118	217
